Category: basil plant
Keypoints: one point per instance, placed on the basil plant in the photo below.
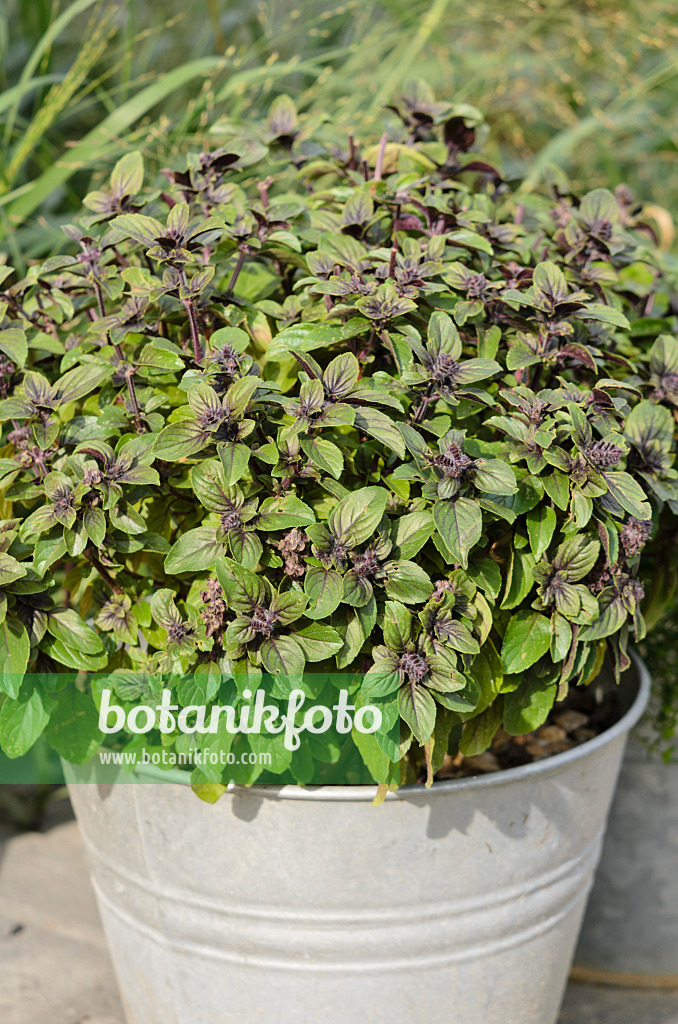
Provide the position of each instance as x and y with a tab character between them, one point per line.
312	414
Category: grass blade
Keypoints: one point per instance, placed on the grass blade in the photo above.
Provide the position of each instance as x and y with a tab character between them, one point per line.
43	46
94	146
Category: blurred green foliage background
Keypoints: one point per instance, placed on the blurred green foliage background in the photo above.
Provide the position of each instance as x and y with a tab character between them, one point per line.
587	87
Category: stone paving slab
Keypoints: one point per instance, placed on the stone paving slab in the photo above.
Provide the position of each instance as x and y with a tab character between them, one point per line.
600	1004
55	967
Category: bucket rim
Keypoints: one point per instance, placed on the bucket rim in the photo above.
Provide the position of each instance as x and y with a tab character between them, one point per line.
544	767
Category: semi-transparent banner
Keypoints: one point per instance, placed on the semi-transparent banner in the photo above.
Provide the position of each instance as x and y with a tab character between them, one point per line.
201	728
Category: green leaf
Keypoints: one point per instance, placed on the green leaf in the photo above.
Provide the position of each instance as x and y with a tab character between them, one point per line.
603	314
195	551
246	548
410	533
307	337
127	176
541	522
81	380
471	240
360	625
289	606
628	493
340	376
356	517
582	433
318	642
480	731
141	228
486	574
358	209
205	404
67	626
650	425
163	607
380	426
71	657
488	673
235	459
324	455
557	486
382	678
664	356
180	440
460	524
460	639
418	709
443	335
528	707
283	655
46	552
124	517
476	369
94	522
324	589
21	722
15	648
608	623
177	220
414	441
519	579
527	639
14	345
243	588
577	556
561	637
357	589
597	205
549	284
208	481
283	513
10	569
375	759
282	117
397	626
407	582
192	689
46	432
73	730
494	476
238	396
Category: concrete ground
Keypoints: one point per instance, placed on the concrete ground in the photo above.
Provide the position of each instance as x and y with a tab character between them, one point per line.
54	966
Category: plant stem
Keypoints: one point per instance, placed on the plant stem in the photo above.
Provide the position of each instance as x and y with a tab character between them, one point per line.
423	405
380	157
352	153
394	244
104	573
133	400
236	272
535	384
100	298
132	391
263	187
192	319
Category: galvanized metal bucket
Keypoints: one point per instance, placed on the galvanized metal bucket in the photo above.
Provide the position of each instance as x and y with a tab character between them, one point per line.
290	906
630	932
